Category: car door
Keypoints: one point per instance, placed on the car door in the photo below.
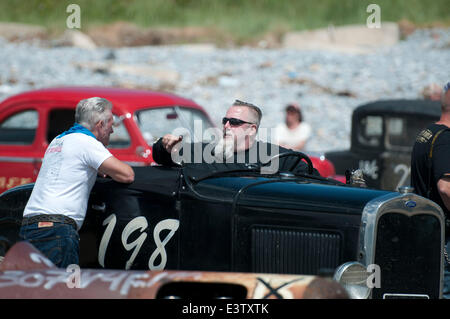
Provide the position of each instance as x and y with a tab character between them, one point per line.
400	134
21	145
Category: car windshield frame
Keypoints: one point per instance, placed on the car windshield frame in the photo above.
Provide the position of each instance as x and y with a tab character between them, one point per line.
362	132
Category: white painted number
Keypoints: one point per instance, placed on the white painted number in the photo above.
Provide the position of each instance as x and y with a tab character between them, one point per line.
111	221
135	224
406	171
170	224
369	168
139	223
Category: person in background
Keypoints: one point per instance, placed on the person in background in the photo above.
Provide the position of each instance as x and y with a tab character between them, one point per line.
430	170
432	92
57	206
294	132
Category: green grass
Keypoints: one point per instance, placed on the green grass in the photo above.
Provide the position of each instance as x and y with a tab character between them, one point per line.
243	19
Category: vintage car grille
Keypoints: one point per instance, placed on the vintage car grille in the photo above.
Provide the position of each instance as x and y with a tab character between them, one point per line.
407	252
294	251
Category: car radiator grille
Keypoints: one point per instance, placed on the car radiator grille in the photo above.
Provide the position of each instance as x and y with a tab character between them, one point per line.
294	251
407	250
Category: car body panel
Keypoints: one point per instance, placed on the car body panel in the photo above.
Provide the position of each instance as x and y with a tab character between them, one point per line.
26	273
169	219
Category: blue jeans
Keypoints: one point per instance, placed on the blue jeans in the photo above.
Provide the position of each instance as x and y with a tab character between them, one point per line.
60	243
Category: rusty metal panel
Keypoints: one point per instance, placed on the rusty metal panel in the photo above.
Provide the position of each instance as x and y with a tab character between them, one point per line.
25	273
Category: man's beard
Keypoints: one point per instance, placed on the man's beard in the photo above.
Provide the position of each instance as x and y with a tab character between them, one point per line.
224	149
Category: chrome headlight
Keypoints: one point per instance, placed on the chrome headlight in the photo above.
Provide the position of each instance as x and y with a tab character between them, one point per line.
353	277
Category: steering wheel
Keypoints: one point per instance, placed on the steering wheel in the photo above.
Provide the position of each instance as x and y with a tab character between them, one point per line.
299	156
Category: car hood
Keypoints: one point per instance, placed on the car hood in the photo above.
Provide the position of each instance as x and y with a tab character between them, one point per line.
287	193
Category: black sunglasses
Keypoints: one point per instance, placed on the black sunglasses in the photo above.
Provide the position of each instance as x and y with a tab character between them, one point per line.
234	122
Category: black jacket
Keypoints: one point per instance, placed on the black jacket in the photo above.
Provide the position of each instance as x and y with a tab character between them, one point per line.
259	153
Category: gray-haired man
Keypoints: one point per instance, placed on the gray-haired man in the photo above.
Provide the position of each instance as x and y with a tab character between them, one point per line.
57	206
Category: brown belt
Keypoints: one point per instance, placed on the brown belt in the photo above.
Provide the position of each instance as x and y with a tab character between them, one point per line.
49	218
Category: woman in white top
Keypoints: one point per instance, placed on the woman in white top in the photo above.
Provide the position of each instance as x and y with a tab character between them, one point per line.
293	133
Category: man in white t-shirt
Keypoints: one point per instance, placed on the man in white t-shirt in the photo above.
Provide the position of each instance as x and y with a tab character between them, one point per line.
57	206
294	132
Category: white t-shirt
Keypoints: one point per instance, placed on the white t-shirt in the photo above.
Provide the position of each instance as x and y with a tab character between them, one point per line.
290	138
68	173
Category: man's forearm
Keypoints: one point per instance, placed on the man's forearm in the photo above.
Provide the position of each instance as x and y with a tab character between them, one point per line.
444	191
160	155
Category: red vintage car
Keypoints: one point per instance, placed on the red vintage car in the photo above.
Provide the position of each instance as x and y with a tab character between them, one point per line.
30	120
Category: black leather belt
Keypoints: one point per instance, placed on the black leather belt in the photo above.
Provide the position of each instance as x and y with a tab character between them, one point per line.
49	218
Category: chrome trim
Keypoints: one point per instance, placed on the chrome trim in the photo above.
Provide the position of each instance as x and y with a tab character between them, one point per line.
395	202
405	189
405	295
341	269
352	288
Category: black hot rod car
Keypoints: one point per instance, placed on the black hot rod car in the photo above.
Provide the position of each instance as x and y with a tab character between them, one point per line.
382	137
378	244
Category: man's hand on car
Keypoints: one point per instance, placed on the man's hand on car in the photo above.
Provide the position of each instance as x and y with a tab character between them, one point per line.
169	141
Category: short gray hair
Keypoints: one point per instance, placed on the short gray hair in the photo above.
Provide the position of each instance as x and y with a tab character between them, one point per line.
90	111
256	110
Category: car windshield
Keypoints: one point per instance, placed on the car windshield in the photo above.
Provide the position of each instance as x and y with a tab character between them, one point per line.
370	131
157	122
120	137
401	132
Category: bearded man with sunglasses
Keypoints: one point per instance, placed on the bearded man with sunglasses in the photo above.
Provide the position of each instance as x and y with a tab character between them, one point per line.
237	145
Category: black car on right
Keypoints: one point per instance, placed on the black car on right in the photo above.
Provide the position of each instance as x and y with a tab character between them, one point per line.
382	136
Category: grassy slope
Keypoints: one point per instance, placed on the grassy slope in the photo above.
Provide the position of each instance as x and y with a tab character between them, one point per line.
244	19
